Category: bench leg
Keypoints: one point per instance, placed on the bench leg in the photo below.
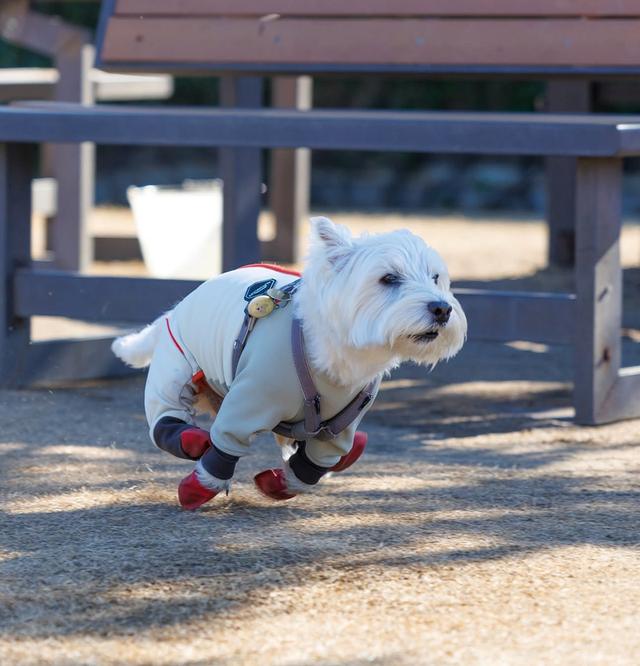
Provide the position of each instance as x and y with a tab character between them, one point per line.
16	172
563	96
603	392
290	173
73	166
242	176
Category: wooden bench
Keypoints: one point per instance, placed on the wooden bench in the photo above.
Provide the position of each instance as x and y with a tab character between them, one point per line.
73	79
566	42
590	319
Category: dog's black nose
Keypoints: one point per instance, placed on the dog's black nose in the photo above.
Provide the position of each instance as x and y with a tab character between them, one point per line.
441	310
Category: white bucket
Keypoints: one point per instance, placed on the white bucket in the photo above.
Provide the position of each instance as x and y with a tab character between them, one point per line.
180	228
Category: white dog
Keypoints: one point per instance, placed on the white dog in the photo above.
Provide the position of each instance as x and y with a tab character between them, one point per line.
302	358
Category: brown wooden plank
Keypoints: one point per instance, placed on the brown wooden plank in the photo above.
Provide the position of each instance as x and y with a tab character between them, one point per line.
381	7
454	42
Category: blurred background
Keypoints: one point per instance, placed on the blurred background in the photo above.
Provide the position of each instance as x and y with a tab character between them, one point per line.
361	181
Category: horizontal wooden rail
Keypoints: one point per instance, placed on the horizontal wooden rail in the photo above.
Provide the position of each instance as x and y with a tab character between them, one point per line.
399	8
59	361
95	298
531	316
492	315
484	133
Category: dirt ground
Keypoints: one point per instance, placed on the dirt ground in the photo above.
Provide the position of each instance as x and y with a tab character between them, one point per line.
481	526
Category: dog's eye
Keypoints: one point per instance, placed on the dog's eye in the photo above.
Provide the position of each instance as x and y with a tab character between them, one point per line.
390	278
436	277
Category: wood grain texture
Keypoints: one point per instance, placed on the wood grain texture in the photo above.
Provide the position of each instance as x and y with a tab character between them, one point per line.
410	42
382	7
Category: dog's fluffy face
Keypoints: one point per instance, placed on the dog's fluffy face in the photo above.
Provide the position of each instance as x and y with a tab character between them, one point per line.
385	292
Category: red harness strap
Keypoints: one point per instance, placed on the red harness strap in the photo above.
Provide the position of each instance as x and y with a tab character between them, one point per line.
274	267
175	342
198	379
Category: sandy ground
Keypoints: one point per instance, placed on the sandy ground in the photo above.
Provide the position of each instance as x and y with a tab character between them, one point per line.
481	527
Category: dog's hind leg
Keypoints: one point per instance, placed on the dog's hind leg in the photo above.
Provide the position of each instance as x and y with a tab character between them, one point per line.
180	439
169	398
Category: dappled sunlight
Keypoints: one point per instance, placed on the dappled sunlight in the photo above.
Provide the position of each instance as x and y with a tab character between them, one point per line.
84	451
471	516
381	482
524	345
84	498
400	384
12	447
510	390
9	555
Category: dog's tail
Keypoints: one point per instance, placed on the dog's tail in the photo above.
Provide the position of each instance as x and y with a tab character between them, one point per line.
136	349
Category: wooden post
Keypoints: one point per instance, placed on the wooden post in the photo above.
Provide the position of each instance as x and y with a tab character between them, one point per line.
563	96
598	286
242	178
16	164
73	165
290	173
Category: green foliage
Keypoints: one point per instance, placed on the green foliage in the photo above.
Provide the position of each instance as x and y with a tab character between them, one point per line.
79	13
14	56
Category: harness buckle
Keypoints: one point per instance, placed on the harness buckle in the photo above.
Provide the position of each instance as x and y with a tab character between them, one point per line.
366	400
313	402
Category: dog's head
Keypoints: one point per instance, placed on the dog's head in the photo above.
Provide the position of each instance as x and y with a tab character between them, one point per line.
385	292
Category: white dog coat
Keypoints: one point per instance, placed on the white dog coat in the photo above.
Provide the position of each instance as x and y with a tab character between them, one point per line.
199	334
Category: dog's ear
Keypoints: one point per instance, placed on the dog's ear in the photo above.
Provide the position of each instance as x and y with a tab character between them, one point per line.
334	239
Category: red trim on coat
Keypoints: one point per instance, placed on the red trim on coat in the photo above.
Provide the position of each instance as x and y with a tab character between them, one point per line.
274	267
175	342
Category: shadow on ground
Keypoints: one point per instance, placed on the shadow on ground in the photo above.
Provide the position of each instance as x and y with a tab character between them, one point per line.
457	473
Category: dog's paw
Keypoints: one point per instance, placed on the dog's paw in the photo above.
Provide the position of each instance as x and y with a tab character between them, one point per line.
273	484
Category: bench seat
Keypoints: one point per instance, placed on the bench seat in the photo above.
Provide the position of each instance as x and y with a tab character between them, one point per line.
418	36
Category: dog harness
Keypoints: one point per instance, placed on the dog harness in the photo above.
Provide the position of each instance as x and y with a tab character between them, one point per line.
262	299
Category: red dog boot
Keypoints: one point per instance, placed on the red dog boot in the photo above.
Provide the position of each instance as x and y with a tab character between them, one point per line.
192	494
273	484
194	442
359	445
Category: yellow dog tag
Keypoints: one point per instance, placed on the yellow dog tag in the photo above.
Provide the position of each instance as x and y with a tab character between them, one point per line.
260	306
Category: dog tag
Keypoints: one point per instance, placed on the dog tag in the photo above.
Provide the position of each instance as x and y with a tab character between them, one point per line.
278	294
260	306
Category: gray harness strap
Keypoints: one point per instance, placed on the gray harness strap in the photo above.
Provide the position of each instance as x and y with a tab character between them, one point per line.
240	342
312	426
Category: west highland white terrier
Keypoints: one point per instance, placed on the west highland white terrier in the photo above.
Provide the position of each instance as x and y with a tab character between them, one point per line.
302	357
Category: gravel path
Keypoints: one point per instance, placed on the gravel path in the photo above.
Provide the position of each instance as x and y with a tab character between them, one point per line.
481	527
